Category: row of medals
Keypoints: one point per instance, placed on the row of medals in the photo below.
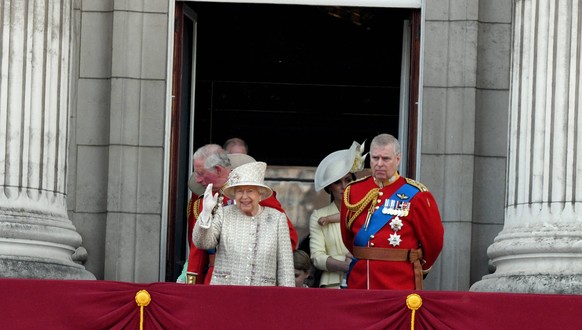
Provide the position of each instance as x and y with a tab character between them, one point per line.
396	207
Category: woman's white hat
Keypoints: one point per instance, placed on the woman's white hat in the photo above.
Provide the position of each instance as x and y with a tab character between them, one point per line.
339	163
251	174
236	160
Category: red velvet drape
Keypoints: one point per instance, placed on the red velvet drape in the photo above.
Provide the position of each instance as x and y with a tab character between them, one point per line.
53	304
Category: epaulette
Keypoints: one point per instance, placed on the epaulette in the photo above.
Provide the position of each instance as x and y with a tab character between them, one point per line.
416	184
360	179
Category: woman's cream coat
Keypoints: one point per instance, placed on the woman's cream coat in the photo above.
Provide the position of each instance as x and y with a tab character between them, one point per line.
326	241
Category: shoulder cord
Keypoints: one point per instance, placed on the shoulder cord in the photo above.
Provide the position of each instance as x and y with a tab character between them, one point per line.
358	208
195	208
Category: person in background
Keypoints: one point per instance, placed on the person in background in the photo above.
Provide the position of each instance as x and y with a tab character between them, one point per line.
328	252
251	241
390	224
236	146
302	265
312	280
199	262
212	165
196	191
231	146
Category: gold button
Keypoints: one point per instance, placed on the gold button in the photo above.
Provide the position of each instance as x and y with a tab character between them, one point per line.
371	236
377	207
380	193
371	244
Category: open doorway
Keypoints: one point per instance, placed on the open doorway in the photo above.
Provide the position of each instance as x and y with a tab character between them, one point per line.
305	79
296	82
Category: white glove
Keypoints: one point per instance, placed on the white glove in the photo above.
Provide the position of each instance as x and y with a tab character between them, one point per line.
208	204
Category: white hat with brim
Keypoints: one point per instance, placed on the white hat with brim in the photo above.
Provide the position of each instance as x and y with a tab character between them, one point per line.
236	160
339	163
251	174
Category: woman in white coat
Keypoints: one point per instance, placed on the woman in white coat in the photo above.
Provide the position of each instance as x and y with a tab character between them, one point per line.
252	242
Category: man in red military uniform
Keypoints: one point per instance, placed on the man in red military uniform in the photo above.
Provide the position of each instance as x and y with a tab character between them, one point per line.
390	224
213	165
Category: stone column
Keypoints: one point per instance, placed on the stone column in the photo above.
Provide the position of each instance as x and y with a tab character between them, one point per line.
539	249
37	240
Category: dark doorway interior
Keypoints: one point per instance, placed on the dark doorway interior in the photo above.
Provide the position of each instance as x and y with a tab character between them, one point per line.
296	82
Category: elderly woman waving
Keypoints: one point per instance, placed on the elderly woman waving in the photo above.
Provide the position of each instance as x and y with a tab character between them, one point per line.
252	242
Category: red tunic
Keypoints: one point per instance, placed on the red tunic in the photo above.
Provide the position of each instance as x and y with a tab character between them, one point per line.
422	227
199	260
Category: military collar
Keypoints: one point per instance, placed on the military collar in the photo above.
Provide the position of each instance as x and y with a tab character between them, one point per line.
384	183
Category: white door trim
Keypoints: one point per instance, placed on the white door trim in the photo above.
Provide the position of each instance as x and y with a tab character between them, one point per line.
348	3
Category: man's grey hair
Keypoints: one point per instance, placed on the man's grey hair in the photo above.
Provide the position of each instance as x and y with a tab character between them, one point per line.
385	139
235	142
213	155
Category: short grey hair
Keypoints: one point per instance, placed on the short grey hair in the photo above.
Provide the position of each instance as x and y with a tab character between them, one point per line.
385	139
235	142
213	155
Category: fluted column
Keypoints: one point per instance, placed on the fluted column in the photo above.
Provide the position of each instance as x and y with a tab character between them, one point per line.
37	240
539	249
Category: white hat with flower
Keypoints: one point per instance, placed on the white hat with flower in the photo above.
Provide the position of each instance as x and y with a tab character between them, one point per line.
339	163
250	174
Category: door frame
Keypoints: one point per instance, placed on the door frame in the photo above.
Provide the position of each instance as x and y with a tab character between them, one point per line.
409	132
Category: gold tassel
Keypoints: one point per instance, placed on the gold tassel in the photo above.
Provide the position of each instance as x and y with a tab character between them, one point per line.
142	298
413	302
